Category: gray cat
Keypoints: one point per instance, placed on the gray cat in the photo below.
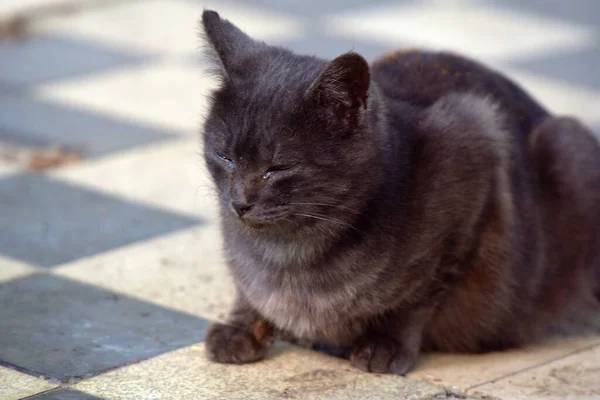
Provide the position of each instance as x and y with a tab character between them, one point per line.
424	202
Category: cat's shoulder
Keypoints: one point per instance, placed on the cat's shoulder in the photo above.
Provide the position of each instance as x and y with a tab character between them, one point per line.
463	136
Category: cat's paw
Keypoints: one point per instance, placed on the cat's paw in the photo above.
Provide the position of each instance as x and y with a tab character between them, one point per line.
232	345
380	354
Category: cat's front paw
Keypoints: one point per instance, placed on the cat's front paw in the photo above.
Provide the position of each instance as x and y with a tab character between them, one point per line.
232	345
381	354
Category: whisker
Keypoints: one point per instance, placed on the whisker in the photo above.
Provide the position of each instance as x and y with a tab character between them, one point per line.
357	212
323	218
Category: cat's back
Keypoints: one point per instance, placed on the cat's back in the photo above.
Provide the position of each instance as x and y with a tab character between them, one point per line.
422	77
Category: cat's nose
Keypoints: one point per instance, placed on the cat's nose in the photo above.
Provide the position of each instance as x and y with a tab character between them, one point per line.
241	208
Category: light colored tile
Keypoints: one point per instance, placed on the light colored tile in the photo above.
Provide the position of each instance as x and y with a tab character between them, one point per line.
184	271
167	27
288	373
7	169
472	30
462	371
575	377
169	94
14	6
12	269
559	98
16	385
170	176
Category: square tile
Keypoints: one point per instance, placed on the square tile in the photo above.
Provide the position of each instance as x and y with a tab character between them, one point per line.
168	27
169	94
573	377
579	67
14	6
171	175
67	330
16	385
584	12
295	7
558	97
319	43
461	372
473	30
286	373
12	269
184	271
63	394
48	222
30	61
7	168
30	121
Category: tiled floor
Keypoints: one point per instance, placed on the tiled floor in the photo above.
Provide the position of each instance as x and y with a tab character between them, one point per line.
111	269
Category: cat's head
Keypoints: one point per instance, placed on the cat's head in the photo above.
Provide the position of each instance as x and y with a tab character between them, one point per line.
289	139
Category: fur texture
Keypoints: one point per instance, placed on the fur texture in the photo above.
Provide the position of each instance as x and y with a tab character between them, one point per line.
422	203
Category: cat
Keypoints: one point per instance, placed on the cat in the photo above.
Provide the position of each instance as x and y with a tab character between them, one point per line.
424	202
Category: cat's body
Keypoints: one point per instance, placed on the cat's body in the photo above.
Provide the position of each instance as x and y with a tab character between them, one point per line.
424	202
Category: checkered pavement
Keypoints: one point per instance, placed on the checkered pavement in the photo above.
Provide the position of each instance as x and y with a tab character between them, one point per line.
111	268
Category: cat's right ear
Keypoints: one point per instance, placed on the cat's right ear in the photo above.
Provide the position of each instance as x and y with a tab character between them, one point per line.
228	46
342	90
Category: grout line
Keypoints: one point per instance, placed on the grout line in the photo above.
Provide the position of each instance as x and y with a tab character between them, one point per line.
581	350
30	372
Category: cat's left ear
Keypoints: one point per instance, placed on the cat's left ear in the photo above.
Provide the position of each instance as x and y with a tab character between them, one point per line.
342	90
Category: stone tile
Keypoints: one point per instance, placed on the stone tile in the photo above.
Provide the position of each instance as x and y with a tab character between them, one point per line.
168	94
559	98
578	11
12	269
475	31
171	176
15	385
596	129
573	377
324	7
8	7
463	371
287	372
317	42
579	67
183	271
7	169
67	330
168	27
34	60
48	222
28	121
64	394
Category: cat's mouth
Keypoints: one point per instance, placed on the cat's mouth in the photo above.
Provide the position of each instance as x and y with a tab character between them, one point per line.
264	221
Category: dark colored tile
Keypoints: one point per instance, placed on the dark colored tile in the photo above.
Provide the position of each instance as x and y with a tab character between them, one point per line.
25	120
329	46
63	394
596	130
577	67
586	12
46	58
67	330
48	222
314	9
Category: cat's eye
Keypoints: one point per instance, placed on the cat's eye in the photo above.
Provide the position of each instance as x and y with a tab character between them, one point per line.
225	158
273	170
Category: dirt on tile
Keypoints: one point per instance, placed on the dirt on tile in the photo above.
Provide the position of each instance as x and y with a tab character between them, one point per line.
570	380
39	159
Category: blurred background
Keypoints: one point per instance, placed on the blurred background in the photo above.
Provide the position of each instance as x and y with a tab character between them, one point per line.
109	245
